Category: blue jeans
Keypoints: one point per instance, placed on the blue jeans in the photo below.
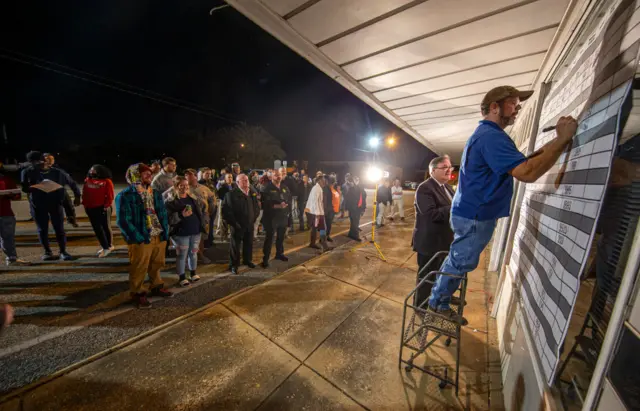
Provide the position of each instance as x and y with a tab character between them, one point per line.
470	237
186	251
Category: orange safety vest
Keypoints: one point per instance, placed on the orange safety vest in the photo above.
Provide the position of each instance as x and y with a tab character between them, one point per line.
335	200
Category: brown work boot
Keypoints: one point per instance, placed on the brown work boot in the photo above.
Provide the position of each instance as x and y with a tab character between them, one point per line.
450	315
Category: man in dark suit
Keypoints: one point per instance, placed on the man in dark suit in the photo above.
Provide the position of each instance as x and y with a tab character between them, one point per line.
432	231
240	210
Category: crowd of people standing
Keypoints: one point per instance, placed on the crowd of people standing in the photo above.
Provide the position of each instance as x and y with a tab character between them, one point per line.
162	209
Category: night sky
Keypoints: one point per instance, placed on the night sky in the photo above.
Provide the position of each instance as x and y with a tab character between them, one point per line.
223	63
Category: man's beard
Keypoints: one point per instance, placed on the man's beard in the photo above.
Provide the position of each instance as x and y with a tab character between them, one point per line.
506	120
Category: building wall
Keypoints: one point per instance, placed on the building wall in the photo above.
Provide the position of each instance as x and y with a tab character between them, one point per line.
523	381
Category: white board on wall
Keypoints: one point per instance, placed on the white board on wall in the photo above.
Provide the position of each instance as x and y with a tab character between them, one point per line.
560	211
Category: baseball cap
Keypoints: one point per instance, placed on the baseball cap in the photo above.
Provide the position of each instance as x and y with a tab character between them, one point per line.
500	93
235	165
143	167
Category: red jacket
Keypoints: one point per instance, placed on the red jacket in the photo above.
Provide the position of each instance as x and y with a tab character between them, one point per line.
5	201
97	192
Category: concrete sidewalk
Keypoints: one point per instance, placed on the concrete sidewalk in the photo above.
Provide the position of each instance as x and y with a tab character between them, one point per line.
322	336
67	312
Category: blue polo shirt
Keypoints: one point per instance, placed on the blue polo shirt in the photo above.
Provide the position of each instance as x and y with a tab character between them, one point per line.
485	186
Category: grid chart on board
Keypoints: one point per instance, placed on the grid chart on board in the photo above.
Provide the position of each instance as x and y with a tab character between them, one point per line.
557	221
560	211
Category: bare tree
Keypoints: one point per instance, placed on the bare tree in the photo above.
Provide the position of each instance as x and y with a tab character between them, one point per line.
252	146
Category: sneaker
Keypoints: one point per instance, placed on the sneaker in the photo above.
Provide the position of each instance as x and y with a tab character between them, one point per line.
112	248
329	239
141	301
250	265
194	277
101	253
47	256
282	258
355	238
314	246
16	262
234	270
265	264
107	252
161	292
65	256
184	282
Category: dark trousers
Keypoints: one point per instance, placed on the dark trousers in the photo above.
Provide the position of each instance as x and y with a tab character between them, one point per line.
354	227
301	213
69	208
328	220
212	229
42	215
290	219
240	239
424	292
270	231
101	222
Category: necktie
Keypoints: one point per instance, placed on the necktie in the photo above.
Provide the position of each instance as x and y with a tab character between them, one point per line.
446	192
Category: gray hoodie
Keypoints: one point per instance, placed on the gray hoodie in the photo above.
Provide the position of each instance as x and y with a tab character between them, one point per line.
163	181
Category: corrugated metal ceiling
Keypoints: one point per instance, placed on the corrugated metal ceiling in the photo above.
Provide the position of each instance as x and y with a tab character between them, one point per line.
425	64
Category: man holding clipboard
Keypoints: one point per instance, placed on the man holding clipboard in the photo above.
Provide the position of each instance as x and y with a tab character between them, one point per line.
45	186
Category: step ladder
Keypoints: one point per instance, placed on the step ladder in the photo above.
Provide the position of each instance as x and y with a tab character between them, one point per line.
415	332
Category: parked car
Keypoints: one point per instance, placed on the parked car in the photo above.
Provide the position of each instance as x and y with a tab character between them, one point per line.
412	185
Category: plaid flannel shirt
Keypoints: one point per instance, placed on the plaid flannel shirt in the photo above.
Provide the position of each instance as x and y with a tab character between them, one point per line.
131	216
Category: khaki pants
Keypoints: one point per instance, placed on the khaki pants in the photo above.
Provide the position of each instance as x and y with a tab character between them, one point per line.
146	259
398	204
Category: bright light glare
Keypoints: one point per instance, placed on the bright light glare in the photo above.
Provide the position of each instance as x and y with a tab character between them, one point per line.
391	141
374	142
374	174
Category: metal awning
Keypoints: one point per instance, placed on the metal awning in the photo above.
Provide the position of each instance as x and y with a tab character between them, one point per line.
423	64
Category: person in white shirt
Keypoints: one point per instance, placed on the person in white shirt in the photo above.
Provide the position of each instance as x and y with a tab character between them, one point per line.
315	215
397	197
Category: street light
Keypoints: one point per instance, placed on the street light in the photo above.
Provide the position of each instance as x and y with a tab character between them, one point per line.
242	145
391	141
374	142
374	174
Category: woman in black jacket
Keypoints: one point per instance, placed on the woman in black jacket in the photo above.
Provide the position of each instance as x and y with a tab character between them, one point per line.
186	225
